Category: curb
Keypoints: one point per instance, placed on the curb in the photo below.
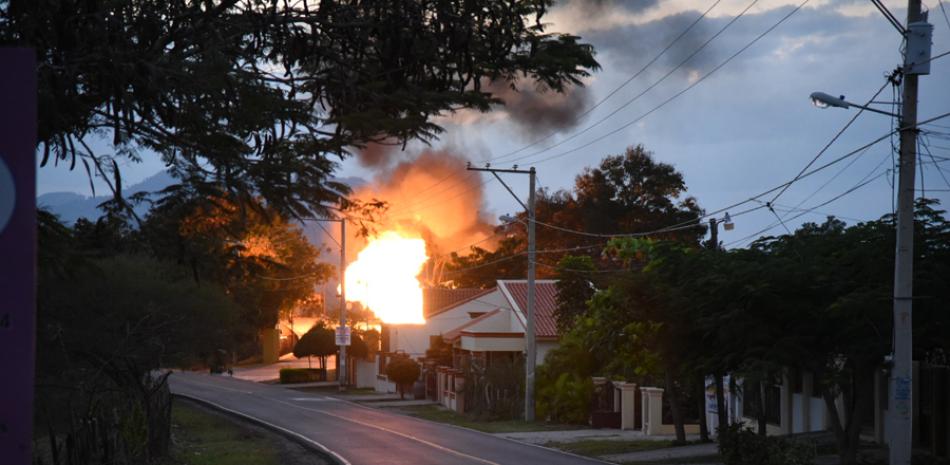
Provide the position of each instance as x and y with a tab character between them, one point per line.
292	435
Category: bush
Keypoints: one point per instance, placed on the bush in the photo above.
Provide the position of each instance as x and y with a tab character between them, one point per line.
319	341
403	371
739	445
302	375
567	399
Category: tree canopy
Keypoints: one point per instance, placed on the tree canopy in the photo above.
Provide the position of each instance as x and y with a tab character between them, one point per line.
818	300
319	341
625	193
262	97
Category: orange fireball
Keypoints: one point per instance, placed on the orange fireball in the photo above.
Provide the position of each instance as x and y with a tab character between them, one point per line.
384	278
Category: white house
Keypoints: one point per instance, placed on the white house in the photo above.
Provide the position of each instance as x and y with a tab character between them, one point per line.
491	320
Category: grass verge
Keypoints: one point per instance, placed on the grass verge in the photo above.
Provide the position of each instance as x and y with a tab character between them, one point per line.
600	447
203	437
699	459
443	415
335	391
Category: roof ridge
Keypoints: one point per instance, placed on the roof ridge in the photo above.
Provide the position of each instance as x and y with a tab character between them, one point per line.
460	302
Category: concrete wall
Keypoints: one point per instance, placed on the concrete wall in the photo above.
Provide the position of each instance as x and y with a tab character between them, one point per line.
365	374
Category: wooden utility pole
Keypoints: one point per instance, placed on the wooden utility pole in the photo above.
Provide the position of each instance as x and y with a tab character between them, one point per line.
529	334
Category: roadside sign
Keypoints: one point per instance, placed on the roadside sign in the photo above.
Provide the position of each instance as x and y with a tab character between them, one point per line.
18	252
343	336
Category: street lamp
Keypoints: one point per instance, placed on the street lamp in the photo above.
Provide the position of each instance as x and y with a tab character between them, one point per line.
823	100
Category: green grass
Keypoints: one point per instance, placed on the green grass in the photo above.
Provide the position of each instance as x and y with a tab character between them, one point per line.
599	447
203	438
715	458
335	391
443	415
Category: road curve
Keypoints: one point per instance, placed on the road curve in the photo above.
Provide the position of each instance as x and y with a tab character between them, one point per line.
357	435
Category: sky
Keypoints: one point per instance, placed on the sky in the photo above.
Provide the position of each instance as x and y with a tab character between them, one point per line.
745	126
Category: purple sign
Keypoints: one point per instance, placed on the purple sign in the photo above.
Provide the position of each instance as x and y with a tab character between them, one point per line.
17	252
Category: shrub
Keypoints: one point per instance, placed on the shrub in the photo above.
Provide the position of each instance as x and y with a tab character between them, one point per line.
319	341
567	399
739	445
403	371
302	375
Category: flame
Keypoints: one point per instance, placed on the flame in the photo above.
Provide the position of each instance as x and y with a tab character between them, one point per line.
384	277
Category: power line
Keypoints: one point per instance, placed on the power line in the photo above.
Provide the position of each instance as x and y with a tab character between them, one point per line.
937	165
865	181
836	136
681	92
648	89
627	81
601	101
944	11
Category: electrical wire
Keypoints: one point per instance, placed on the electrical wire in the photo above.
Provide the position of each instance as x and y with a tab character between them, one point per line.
648	89
834	139
627	81
601	101
681	92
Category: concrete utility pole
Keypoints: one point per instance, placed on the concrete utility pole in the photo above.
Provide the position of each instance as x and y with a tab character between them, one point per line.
529	326
530	341
901	426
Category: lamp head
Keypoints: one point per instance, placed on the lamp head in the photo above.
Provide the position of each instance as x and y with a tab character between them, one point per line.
823	100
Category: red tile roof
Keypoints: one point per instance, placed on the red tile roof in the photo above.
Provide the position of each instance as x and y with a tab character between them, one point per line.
436	300
545	304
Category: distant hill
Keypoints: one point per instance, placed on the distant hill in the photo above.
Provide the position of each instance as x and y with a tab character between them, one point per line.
70	206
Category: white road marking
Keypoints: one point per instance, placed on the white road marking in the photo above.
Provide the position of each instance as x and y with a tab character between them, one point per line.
295	434
397	433
314	399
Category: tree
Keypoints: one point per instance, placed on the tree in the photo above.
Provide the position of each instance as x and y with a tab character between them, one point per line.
574	289
107	324
482	268
319	341
625	193
358	347
403	371
261	97
264	261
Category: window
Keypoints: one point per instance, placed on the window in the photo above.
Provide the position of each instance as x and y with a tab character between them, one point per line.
752	404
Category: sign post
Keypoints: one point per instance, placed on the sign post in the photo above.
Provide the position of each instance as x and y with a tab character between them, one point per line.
343	336
17	252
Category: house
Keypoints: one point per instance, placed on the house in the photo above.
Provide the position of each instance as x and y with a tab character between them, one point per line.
486	324
481	321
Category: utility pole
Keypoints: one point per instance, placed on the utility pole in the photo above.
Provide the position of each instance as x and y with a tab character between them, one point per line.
530	341
341	376
901	426
529	326
341	361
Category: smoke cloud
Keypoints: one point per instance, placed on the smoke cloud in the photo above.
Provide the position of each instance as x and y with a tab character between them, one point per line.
432	196
538	110
379	154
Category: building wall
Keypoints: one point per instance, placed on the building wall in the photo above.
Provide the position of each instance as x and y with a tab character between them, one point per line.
543	347
414	339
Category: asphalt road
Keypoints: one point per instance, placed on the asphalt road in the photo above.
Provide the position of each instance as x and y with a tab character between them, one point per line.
359	435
